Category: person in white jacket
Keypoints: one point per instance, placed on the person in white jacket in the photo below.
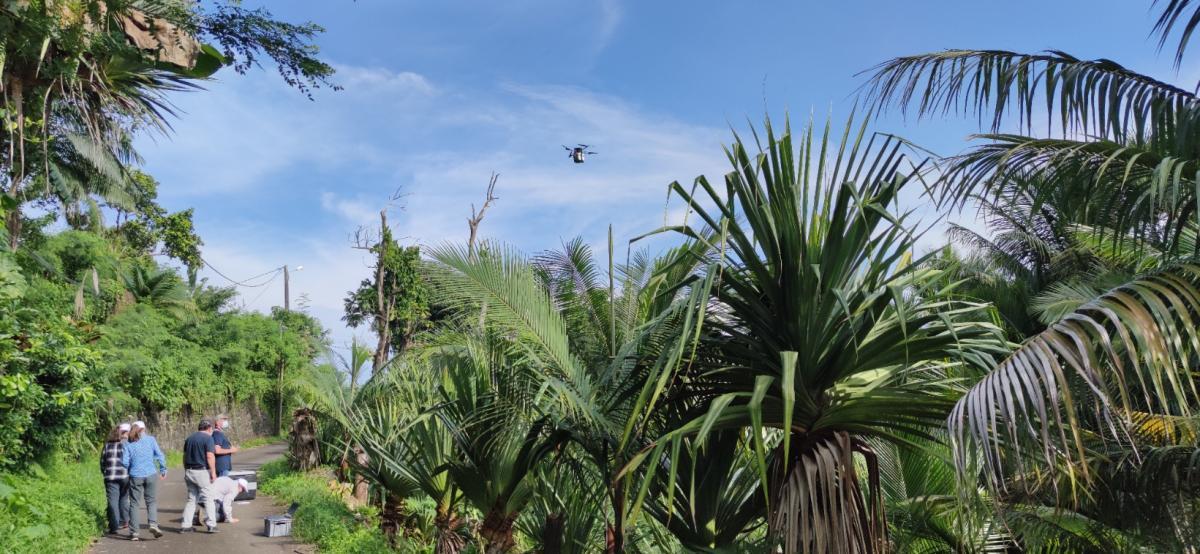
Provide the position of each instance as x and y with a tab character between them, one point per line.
224	490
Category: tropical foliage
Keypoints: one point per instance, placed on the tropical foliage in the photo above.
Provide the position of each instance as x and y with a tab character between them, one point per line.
796	376
792	375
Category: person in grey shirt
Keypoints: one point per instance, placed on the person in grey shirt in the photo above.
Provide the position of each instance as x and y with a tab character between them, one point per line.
199	472
224	490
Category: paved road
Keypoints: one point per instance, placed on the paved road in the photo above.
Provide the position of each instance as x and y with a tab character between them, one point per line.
244	536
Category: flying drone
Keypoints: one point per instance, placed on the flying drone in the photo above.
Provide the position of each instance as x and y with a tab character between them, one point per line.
578	154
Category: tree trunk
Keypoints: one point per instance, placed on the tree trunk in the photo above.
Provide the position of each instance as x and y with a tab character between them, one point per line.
13	225
449	541
361	488
391	518
16	170
383	316
552	534
497	530
614	533
304	451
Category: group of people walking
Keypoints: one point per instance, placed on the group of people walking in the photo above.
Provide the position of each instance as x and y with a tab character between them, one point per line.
133	464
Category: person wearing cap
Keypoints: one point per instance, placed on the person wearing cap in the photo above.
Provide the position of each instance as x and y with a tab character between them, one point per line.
224	449
143	459
199	472
225	489
116	478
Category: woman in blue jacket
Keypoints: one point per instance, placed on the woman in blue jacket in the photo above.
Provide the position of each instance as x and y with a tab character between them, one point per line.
147	465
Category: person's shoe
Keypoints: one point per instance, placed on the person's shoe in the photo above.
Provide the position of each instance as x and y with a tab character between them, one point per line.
154	530
134	538
212	529
187	530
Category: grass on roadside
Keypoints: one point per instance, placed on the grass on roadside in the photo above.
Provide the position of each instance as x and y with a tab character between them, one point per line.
56	509
260	441
323	518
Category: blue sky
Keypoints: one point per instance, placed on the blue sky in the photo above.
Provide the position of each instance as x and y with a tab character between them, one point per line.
437	95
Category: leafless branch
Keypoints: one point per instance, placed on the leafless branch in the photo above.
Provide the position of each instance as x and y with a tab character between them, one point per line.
477	217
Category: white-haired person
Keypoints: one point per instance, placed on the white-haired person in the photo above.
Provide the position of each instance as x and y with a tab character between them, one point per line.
224	490
147	465
116	478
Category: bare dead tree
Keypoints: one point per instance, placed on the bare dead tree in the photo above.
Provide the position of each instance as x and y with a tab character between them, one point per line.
385	303
473	222
477	217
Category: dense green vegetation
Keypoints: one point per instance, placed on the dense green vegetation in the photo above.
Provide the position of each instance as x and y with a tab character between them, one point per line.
56	509
794	375
102	317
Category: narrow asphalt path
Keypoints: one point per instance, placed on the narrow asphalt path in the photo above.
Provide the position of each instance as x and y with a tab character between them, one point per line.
244	536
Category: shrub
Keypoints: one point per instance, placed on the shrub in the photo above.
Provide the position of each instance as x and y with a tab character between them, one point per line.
54	510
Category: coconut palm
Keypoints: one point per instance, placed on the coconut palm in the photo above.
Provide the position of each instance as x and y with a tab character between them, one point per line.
1060	418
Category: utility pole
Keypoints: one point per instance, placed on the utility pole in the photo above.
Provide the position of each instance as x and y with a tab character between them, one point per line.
287	308
287	299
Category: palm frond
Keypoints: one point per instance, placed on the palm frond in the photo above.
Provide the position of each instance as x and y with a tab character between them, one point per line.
1126	349
1173	13
1097	97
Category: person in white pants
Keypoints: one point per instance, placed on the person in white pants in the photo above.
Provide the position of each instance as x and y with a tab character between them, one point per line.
225	490
199	472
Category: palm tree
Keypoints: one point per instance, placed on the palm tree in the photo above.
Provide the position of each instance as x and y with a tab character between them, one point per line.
74	93
406	446
1069	407
79	78
818	326
586	351
161	288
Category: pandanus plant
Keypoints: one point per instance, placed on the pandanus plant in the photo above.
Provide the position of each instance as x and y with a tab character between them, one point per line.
819	327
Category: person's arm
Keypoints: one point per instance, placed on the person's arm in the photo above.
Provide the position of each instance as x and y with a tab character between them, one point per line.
222	449
126	459
212	459
161	459
227	502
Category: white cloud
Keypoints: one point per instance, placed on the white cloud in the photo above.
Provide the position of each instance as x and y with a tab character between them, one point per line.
330	165
610	18
358	211
383	80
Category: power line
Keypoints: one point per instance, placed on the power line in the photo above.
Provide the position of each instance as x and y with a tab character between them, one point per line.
246	282
264	291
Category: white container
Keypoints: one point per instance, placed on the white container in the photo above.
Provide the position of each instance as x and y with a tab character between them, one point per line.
277	526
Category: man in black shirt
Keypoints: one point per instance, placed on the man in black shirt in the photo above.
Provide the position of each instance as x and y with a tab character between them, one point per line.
199	471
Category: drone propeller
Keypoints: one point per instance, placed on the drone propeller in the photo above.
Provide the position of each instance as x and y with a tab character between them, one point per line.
567	148
584	146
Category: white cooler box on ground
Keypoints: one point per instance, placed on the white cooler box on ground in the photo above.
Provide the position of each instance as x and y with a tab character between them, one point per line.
251	477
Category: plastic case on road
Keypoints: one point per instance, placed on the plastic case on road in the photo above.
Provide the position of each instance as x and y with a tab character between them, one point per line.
277	526
280	525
